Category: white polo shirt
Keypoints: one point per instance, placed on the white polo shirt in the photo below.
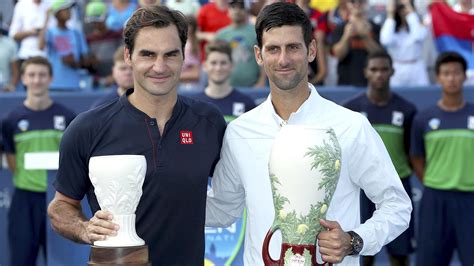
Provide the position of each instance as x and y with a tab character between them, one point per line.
241	178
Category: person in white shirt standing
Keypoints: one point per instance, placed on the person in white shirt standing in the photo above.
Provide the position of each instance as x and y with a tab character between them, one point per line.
403	35
284	47
27	21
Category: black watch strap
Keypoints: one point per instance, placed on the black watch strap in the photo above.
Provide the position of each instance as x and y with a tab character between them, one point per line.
356	243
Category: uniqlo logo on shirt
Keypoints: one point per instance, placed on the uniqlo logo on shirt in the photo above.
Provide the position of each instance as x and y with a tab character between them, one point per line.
186	137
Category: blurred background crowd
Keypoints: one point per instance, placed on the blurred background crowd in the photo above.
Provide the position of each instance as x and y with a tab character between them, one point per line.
80	37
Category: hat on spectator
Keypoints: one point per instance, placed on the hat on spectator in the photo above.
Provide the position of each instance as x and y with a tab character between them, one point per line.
96	11
59	5
240	3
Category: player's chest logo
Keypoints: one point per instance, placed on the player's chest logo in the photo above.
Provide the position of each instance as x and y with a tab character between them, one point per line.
59	122
397	118
23	125
186	137
238	109
470	122
434	123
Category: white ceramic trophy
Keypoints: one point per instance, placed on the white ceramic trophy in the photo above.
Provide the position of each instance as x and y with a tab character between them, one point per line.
304	170
118	181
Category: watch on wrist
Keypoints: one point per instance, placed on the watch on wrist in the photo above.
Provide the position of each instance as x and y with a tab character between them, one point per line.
356	243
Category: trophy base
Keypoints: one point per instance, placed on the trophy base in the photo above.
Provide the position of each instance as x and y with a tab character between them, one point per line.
108	256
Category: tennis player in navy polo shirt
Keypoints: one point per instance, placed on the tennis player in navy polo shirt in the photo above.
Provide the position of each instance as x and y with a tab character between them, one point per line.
180	138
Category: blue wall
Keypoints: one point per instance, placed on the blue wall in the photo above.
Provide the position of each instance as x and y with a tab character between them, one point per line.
81	101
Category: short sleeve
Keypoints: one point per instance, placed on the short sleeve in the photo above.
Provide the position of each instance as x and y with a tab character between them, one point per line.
72	177
417	145
7	136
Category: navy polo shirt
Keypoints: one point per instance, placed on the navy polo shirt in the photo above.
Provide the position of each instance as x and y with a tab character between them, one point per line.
171	212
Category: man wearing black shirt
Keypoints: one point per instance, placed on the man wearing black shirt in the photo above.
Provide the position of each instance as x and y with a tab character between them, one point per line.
179	137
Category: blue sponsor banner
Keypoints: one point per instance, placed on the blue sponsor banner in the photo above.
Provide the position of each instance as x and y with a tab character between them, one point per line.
224	246
6	191
60	251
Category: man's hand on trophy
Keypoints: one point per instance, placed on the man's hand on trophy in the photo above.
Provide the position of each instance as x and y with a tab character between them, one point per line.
100	226
334	244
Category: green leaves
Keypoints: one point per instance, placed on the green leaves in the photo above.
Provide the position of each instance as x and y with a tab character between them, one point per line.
327	159
303	229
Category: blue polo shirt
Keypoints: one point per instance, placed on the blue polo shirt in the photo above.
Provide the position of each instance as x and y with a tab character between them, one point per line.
170	214
232	105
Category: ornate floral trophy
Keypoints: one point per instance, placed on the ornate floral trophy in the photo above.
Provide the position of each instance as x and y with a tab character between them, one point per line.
304	170
118	181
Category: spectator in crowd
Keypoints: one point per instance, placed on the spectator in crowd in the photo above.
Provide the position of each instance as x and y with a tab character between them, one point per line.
403	36
157	123
325	32
117	14
219	91
212	17
338	15
285	46
442	147
242	38
123	79
392	117
464	7
187	7
351	43
27	22
9	70
318	19
36	126
191	72
102	43
145	3
67	48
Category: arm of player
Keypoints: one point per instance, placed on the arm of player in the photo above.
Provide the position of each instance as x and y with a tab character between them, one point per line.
226	199
371	168
68	220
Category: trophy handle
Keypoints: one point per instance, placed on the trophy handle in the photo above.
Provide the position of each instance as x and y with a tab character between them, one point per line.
267	259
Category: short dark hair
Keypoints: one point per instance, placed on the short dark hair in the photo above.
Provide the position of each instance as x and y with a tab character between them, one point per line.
283	14
36	60
158	16
379	53
219	46
448	57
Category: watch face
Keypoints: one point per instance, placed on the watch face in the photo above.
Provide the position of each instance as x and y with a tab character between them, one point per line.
356	242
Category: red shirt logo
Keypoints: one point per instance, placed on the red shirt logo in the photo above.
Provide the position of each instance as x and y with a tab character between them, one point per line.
186	137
